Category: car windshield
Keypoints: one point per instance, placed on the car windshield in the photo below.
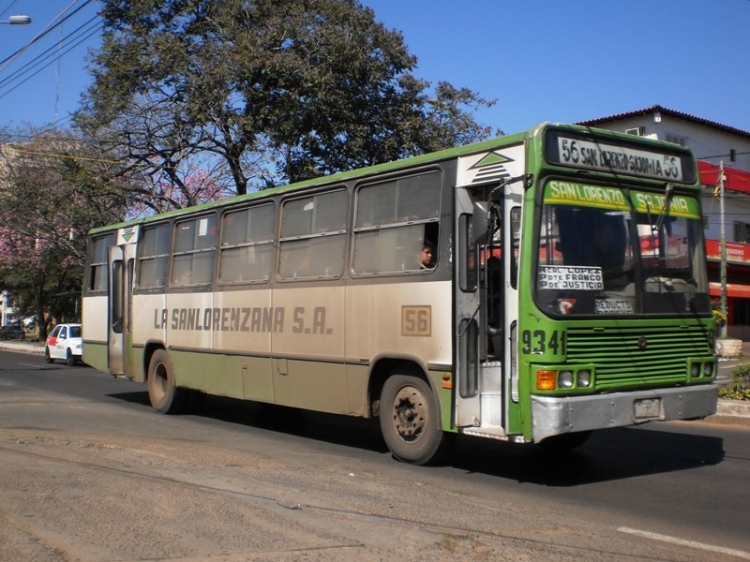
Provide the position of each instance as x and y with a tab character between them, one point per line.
606	251
75	331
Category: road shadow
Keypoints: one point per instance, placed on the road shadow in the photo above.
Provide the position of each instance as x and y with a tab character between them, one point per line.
610	454
342	430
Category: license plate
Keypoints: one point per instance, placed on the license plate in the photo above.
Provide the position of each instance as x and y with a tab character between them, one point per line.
647	408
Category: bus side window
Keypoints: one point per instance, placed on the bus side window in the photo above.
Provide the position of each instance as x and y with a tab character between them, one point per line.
194	250
312	243
247	245
154	256
393	220
98	262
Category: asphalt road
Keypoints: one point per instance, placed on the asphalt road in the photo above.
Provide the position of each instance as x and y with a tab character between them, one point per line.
89	472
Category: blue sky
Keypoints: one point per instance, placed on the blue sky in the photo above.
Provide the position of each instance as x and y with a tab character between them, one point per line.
543	60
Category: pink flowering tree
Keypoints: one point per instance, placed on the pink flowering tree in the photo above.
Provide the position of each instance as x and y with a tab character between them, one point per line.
159	193
54	189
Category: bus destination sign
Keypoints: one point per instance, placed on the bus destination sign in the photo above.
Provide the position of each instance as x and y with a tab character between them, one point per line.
590	154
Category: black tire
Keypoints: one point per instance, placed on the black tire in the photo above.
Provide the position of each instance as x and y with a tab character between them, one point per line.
163	393
47	356
565	442
71	359
410	421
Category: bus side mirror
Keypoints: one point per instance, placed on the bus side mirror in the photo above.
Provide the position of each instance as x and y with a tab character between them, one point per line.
480	222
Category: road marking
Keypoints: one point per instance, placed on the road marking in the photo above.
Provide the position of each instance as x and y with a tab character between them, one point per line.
692	544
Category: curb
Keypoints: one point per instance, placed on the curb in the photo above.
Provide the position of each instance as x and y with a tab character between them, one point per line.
33	348
739	408
731	412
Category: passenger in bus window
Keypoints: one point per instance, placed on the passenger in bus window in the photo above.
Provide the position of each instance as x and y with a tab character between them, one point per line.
427	256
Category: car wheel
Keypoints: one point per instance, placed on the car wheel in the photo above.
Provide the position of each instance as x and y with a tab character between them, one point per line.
71	359
47	356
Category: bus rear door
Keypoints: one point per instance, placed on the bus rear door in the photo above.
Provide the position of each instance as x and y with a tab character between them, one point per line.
119	338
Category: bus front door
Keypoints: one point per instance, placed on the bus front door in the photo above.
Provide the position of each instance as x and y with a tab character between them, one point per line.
485	300
121	266
478	369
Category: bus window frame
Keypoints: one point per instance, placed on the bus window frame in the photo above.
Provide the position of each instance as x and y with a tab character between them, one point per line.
272	242
98	265
435	176
284	244
140	258
194	251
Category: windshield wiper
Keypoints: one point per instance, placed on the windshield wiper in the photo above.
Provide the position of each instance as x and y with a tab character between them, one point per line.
665	211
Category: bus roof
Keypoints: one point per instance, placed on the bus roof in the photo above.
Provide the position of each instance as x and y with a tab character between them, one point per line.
446	154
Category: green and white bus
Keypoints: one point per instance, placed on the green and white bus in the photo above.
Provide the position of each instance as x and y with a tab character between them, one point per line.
567	292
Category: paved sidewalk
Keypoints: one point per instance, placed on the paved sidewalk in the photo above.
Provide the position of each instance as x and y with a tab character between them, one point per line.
36	348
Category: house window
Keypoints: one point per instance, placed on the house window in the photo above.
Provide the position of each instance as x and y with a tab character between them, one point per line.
742	232
677	139
637	131
741	312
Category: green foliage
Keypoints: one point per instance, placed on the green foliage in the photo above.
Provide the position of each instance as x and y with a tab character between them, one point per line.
56	189
719	318
739	389
264	92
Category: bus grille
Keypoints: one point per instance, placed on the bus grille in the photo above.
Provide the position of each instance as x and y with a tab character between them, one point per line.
620	363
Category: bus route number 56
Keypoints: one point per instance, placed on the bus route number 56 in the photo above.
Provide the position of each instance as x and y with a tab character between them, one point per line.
416	321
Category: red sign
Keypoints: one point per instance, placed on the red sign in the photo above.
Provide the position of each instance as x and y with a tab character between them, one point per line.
737	253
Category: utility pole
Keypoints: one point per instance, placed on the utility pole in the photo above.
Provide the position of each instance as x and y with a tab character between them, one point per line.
723	250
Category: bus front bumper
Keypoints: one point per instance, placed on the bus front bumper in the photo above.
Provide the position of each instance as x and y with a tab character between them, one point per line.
558	415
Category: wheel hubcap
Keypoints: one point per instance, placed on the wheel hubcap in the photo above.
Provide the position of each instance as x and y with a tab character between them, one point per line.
409	413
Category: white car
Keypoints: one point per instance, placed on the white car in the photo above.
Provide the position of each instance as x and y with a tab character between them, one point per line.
66	343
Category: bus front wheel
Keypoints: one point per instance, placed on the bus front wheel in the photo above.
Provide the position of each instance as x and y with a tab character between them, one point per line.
163	393
409	420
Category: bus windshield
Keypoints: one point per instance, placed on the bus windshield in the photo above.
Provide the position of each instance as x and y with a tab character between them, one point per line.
608	251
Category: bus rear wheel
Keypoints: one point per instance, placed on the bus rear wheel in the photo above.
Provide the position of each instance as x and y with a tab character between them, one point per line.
163	393
409	420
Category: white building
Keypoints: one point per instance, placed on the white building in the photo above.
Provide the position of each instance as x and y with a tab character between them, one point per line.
6	308
714	145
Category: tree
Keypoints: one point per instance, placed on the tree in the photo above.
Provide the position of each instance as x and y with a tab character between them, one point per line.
54	189
262	92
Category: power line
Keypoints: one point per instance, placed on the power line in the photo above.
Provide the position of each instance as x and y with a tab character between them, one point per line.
51	55
8	8
56	22
723	155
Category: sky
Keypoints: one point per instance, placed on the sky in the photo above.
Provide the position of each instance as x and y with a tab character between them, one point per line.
541	60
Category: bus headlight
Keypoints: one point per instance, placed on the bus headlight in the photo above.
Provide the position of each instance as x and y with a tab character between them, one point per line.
565	379
584	378
708	369
695	369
